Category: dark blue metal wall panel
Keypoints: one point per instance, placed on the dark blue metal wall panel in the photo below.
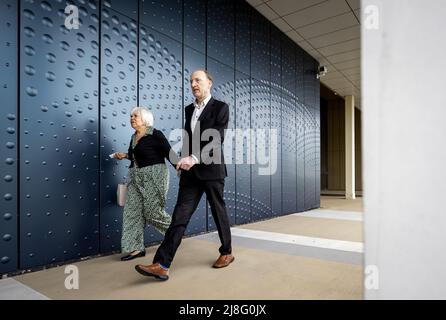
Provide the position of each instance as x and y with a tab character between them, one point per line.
311	90
300	159
317	112
289	125
163	16
289	154
194	60
8	120
299	75
261	122
125	7
313	157
160	90
300	128
310	146
260	112
308	176
119	51
243	147
309	165
276	58
77	88
223	90
195	24
220	40
260	47
59	141
317	153
276	172
288	66
243	37
308	80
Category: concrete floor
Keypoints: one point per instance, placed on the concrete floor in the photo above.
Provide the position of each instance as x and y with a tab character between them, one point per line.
290	257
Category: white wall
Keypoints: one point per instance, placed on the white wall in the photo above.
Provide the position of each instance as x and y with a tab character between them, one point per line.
404	148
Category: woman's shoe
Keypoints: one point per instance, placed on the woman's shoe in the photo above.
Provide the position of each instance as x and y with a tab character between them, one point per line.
133	256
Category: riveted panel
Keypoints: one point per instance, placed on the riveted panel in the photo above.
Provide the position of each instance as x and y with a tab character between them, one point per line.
77	87
300	159
300	128
119	52
223	90
195	24
277	123
8	120
288	66
310	131
313	157
309	71
243	36
289	154
243	151
160	90
310	145
59	141
299	75
260	114
309	159
317	112
125	7
317	139
289	118
220	40
194	60
164	16
276	58
260	171
260	47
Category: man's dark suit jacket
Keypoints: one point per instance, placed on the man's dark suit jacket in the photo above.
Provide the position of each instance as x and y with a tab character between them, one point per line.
214	116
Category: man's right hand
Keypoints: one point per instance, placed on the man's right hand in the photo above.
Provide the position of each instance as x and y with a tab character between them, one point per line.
186	163
120	155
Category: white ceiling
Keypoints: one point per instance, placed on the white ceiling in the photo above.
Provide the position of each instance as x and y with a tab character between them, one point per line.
329	30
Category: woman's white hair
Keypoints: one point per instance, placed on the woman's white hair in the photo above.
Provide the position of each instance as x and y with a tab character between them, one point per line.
145	114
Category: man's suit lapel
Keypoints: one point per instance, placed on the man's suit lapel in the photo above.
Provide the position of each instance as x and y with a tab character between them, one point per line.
189	114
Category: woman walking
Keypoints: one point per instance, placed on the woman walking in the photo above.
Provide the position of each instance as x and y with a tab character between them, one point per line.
149	183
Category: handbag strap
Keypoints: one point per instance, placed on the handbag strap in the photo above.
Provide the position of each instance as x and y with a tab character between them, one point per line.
127	179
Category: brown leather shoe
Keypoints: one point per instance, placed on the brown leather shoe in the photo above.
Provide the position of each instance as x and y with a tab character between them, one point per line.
153	270
224	261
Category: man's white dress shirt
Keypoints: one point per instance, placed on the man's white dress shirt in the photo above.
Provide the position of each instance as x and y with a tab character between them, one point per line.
198	110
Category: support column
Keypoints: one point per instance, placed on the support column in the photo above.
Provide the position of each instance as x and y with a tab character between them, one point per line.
403	105
350	147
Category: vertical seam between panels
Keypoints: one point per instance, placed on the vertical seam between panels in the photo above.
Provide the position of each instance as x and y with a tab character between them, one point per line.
18	43
99	125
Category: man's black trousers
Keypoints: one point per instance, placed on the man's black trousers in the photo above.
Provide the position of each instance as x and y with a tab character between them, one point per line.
189	195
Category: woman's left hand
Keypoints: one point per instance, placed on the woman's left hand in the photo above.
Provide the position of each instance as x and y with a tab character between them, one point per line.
120	155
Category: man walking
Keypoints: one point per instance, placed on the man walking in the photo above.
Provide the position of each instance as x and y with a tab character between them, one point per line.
199	175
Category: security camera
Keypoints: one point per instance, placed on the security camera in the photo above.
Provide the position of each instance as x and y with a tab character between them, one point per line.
321	72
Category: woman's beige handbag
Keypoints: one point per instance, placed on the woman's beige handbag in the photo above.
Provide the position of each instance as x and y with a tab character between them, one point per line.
121	194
